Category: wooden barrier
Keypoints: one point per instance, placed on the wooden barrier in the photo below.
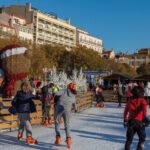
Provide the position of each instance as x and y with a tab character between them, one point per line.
9	122
111	97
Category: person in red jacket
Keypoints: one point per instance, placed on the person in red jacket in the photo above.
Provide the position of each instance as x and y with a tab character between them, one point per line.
134	113
99	97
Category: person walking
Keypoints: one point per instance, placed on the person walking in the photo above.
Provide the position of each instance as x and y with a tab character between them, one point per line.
24	106
63	109
134	114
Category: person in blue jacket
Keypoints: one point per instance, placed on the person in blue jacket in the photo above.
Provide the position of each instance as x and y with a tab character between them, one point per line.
24	106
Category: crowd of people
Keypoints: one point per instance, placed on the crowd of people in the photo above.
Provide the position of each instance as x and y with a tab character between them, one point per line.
64	99
124	89
135	112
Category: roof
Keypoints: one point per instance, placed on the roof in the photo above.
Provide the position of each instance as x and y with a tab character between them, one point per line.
107	52
9	47
118	76
144	77
6	26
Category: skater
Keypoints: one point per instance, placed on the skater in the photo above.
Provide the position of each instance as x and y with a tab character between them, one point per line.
63	109
24	106
48	96
47	120
135	112
99	96
115	90
147	93
120	94
53	90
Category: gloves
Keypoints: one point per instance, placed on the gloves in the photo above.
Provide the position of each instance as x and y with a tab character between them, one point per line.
146	122
125	124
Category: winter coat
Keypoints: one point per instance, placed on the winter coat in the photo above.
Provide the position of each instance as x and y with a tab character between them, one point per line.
147	90
66	99
135	109
23	102
45	91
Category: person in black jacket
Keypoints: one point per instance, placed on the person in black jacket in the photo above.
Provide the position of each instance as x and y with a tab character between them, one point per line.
24	106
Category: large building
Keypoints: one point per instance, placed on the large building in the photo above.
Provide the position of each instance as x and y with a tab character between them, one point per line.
85	39
16	26
6	31
135	60
145	51
47	28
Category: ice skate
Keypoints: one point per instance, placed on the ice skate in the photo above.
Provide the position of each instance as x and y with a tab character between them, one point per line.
50	122
68	142
30	140
20	136
58	140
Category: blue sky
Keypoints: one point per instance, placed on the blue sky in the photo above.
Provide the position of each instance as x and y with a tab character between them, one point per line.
121	24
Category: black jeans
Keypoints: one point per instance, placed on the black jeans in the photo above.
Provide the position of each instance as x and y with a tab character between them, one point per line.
119	99
134	127
99	98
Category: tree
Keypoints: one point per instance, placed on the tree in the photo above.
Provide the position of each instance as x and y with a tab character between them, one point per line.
144	69
38	62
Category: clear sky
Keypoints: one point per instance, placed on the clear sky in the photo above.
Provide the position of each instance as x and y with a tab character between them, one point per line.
121	24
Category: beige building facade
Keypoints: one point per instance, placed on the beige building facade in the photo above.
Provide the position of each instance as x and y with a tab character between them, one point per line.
134	60
22	30
6	31
85	39
47	28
